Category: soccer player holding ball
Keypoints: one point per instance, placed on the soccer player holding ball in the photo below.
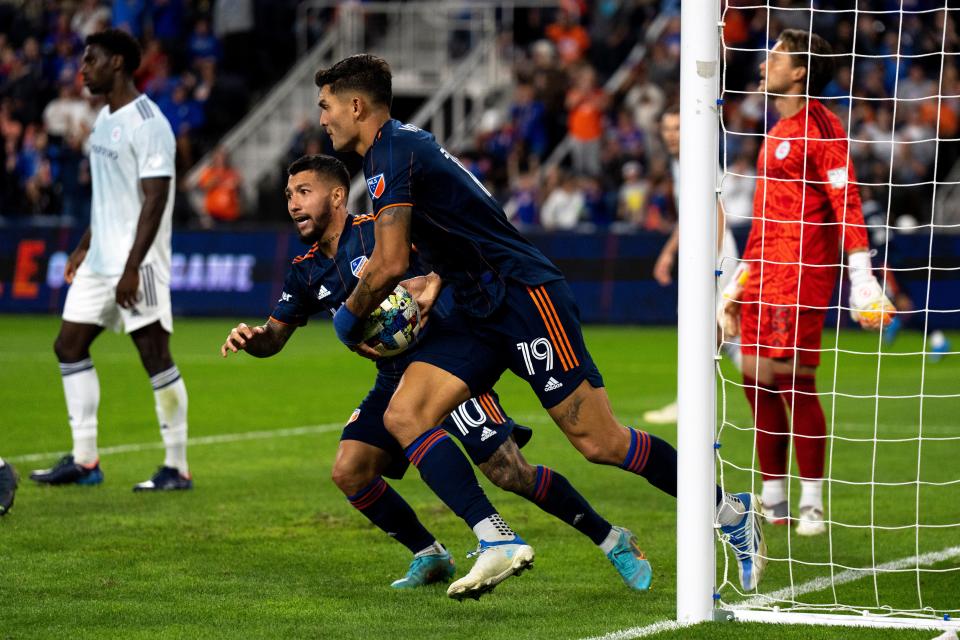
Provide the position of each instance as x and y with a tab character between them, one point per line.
512	298
806	208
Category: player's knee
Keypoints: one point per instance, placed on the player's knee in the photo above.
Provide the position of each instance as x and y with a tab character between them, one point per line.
597	451
400	421
67	352
155	359
350	479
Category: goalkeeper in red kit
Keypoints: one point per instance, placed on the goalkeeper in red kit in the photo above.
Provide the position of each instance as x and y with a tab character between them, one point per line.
806	209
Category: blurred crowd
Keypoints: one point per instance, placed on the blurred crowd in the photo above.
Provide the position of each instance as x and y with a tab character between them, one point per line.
204	62
203	70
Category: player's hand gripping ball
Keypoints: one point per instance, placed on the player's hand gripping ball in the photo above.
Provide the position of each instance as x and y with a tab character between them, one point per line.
393	326
870	307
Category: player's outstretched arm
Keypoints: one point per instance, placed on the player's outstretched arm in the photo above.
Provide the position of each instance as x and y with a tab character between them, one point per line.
155	192
383	271
76	257
262	341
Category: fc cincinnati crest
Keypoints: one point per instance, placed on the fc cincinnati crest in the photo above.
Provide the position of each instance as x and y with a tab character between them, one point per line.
782	150
356	265
375	185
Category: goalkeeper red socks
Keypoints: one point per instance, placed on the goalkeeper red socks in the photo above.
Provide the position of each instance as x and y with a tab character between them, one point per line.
809	423
773	430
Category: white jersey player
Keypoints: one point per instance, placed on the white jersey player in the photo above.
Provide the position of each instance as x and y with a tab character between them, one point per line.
663	269
119	274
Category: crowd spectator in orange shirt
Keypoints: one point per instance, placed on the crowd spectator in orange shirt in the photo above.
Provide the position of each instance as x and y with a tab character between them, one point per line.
586	104
221	184
571	39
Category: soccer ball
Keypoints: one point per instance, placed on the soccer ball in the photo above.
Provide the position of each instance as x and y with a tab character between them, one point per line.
393	326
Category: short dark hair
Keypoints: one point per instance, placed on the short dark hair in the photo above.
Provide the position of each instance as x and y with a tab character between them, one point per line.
118	43
671	110
324	166
363	72
812	53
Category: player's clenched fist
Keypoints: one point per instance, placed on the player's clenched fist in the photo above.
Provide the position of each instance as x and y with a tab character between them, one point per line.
239	335
869	306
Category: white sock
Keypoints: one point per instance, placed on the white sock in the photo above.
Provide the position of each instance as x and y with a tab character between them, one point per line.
610	541
433	549
811	493
493	529
81	387
774	492
170	395
2	463
730	510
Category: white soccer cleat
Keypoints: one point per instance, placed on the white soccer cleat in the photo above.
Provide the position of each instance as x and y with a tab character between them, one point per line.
665	415
810	522
497	561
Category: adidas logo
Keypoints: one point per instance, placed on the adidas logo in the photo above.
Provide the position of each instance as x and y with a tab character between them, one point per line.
552	384
487	433
322	293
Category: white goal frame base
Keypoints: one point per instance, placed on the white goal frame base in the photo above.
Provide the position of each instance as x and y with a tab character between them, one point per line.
838	620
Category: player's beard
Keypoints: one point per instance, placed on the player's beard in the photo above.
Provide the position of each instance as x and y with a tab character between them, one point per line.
318	225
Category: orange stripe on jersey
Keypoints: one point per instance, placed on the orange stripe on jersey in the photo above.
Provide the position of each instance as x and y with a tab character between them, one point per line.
308	254
272	319
390	206
553	338
496	408
563	333
490	408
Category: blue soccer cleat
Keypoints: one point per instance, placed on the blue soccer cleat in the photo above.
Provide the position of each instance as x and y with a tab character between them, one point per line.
891	330
8	486
165	479
630	562
746	538
496	562
428	569
939	346
66	471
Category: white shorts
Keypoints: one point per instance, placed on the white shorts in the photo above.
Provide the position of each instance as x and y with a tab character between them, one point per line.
91	299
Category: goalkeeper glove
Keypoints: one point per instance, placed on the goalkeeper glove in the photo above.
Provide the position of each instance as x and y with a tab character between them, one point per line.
869	306
728	311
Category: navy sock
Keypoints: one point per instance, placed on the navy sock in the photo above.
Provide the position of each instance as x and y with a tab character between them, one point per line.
385	508
654	459
554	494
448	473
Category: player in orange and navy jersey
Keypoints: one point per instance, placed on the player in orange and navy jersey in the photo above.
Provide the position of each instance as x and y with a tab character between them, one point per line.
317	284
806	209
510	295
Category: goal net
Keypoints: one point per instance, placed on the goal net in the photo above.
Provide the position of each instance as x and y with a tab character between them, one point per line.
889	553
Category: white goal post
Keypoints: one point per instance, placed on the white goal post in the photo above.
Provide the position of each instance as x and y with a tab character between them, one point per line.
702	586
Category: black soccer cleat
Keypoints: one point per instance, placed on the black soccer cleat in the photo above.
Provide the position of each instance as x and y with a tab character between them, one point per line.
66	471
8	487
165	479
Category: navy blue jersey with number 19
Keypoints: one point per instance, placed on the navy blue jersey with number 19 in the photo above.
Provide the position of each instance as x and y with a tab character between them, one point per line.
458	228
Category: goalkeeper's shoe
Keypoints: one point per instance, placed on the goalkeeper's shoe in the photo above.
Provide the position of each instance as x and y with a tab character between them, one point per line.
166	479
426	569
664	415
810	522
630	562
777	514
8	486
67	471
496	562
746	538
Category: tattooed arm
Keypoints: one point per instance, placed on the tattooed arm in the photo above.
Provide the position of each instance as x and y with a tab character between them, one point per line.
262	342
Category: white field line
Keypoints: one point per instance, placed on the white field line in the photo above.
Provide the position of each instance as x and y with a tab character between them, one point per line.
811	586
218	439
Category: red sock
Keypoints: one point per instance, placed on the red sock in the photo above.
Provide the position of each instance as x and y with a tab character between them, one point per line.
809	423
770	421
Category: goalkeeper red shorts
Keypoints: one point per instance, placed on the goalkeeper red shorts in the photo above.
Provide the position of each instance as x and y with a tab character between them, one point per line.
781	331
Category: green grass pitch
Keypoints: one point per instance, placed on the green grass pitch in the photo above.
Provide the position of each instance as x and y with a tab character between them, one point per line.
266	547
